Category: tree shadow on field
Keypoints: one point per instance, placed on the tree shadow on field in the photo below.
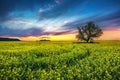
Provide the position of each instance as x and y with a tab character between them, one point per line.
85	42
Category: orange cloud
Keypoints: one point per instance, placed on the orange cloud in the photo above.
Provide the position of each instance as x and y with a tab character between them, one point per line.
110	34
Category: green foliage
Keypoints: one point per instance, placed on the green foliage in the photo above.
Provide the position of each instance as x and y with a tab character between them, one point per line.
59	61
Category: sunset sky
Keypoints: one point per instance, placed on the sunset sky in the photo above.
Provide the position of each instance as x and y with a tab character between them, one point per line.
32	20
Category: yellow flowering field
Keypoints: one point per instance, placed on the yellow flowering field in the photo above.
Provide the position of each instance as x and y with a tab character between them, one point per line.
60	60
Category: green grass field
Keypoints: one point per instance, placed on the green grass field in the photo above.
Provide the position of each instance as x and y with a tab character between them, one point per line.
60	61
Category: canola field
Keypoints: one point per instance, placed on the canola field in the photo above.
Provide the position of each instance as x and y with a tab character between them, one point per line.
60	61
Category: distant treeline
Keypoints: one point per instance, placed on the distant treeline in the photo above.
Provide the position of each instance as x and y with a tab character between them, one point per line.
45	40
9	39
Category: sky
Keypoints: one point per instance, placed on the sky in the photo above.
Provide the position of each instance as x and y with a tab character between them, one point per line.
31	20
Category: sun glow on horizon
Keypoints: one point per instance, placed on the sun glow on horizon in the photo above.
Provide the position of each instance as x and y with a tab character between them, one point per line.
107	35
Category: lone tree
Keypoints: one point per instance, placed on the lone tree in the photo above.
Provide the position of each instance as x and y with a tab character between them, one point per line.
88	32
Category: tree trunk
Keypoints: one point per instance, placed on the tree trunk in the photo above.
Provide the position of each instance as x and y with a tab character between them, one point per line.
88	39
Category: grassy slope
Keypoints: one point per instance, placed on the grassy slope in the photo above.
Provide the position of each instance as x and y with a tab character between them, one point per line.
60	60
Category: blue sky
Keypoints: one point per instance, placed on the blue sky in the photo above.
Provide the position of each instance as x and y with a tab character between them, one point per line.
22	18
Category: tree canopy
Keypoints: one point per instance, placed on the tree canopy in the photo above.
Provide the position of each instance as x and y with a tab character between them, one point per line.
89	32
